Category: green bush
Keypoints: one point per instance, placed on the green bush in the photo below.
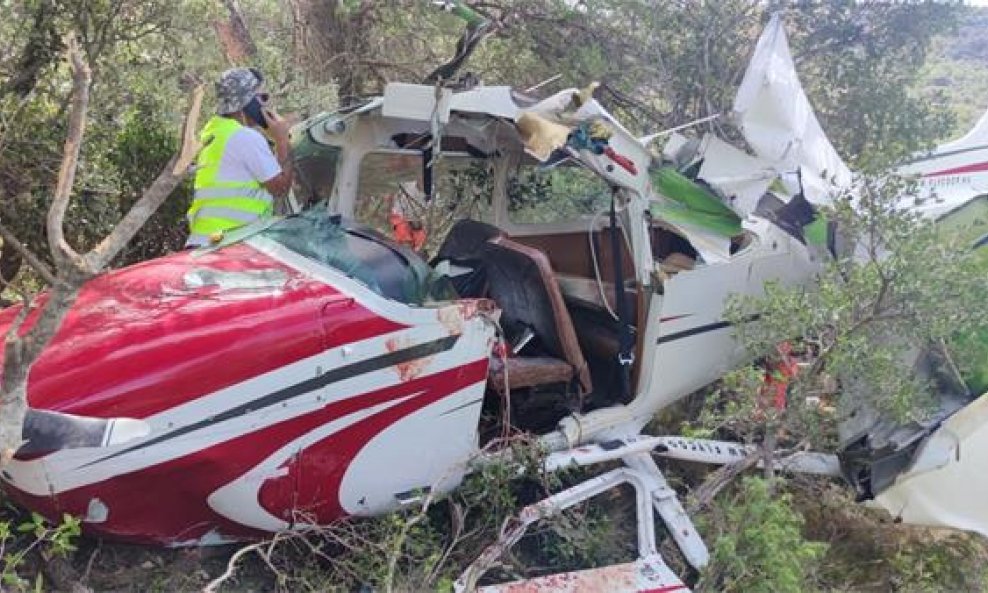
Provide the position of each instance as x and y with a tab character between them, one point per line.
929	565
32	535
757	543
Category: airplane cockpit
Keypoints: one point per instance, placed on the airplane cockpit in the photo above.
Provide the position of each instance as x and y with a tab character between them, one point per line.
552	211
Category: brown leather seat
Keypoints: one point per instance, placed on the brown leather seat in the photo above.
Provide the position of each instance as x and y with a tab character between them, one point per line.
522	283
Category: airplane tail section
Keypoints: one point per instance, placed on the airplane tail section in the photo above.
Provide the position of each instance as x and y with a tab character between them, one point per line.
951	174
976	137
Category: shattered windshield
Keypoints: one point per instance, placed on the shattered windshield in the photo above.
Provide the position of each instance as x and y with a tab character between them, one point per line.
391	184
388	269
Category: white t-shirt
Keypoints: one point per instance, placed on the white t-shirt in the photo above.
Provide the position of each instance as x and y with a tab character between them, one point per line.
247	158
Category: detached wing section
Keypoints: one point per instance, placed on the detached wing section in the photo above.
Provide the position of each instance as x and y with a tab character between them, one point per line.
947	485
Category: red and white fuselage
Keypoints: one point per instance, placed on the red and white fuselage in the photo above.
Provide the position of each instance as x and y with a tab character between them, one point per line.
266	391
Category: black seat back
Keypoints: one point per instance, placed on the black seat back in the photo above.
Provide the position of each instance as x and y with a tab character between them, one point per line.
465	239
521	282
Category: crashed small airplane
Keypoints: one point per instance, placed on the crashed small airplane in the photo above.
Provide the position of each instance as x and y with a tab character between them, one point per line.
309	368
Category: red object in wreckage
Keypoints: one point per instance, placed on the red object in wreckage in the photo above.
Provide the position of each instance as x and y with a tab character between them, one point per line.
780	374
208	397
625	163
406	232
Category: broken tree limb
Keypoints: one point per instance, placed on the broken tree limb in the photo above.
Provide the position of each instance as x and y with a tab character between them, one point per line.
81	78
154	196
23	348
190	127
231	565
20	352
12	242
719	479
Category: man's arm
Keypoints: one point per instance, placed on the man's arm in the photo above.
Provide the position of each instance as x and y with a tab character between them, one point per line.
280	184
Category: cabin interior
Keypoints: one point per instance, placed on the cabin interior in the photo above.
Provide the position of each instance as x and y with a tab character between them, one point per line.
537	241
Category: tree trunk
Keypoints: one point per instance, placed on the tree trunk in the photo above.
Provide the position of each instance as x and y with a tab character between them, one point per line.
20	354
330	43
234	36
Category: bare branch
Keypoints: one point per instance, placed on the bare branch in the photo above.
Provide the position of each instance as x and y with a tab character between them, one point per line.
719	479
26	308
190	143
32	260
81	77
231	566
156	194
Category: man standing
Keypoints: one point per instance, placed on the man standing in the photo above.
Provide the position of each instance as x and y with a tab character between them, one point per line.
237	176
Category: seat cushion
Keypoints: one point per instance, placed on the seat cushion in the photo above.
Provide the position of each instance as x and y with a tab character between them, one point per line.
529	372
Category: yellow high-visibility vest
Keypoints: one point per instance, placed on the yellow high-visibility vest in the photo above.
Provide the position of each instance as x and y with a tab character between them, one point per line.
218	206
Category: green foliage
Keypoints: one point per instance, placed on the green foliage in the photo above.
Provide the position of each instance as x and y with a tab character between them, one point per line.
142	147
561	193
137	51
597	533
860	64
911	288
34	535
952	562
953	76
757	543
660	64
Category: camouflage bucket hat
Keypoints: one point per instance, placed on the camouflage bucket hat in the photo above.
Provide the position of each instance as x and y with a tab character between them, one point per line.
234	89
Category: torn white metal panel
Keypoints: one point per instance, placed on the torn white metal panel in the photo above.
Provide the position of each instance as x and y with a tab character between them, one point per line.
947	485
624	143
816	190
571	107
492	100
776	117
712	247
553	104
742	178
419	102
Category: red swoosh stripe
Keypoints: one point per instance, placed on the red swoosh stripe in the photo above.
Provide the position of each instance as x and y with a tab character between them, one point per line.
975	168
